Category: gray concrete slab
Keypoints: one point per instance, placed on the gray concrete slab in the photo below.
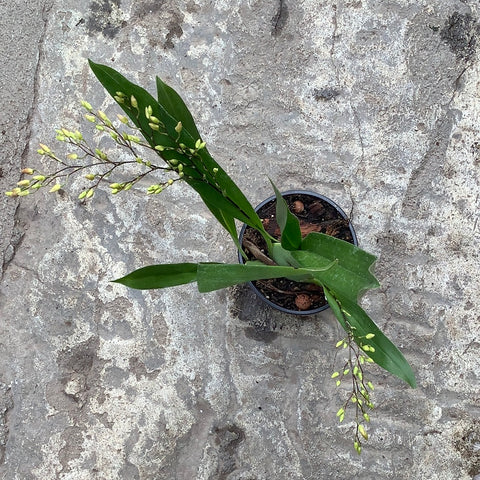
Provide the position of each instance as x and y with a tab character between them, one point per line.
373	103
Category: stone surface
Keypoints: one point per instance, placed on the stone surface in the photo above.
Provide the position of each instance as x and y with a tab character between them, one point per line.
371	102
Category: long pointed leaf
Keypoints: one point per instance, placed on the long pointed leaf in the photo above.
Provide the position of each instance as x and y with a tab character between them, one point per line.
291	236
160	276
354	319
175	106
170	111
227	221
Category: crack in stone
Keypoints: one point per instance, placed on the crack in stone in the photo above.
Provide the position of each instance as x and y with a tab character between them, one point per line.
332	48
362	155
7	404
457	85
280	18
17	236
36	78
459	33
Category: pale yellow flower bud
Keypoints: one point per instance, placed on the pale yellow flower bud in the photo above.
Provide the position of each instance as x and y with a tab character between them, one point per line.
90	176
104	117
56	188
27	171
199	144
133	102
179	127
363	432
86	105
23	183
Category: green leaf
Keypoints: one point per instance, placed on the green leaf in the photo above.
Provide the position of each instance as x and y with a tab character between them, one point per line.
227	221
202	169
160	276
350	276
213	198
213	276
175	106
355	320
282	256
288	223
114	82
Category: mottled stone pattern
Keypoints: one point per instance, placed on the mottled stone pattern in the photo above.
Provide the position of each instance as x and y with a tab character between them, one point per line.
371	102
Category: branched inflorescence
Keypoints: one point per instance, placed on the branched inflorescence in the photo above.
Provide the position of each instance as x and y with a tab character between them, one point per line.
361	388
99	165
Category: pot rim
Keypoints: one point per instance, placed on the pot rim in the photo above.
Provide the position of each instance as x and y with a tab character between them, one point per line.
241	259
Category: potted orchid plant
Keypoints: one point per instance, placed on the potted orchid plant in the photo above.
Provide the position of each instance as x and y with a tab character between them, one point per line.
335	267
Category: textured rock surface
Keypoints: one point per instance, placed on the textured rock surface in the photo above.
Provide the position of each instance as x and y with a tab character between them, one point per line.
371	102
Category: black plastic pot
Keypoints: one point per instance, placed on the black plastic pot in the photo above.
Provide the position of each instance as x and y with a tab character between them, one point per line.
265	202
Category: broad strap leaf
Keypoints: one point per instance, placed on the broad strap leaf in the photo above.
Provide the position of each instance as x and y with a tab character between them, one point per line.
355	320
350	276
214	276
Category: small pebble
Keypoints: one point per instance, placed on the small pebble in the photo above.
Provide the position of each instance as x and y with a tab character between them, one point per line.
303	301
298	206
